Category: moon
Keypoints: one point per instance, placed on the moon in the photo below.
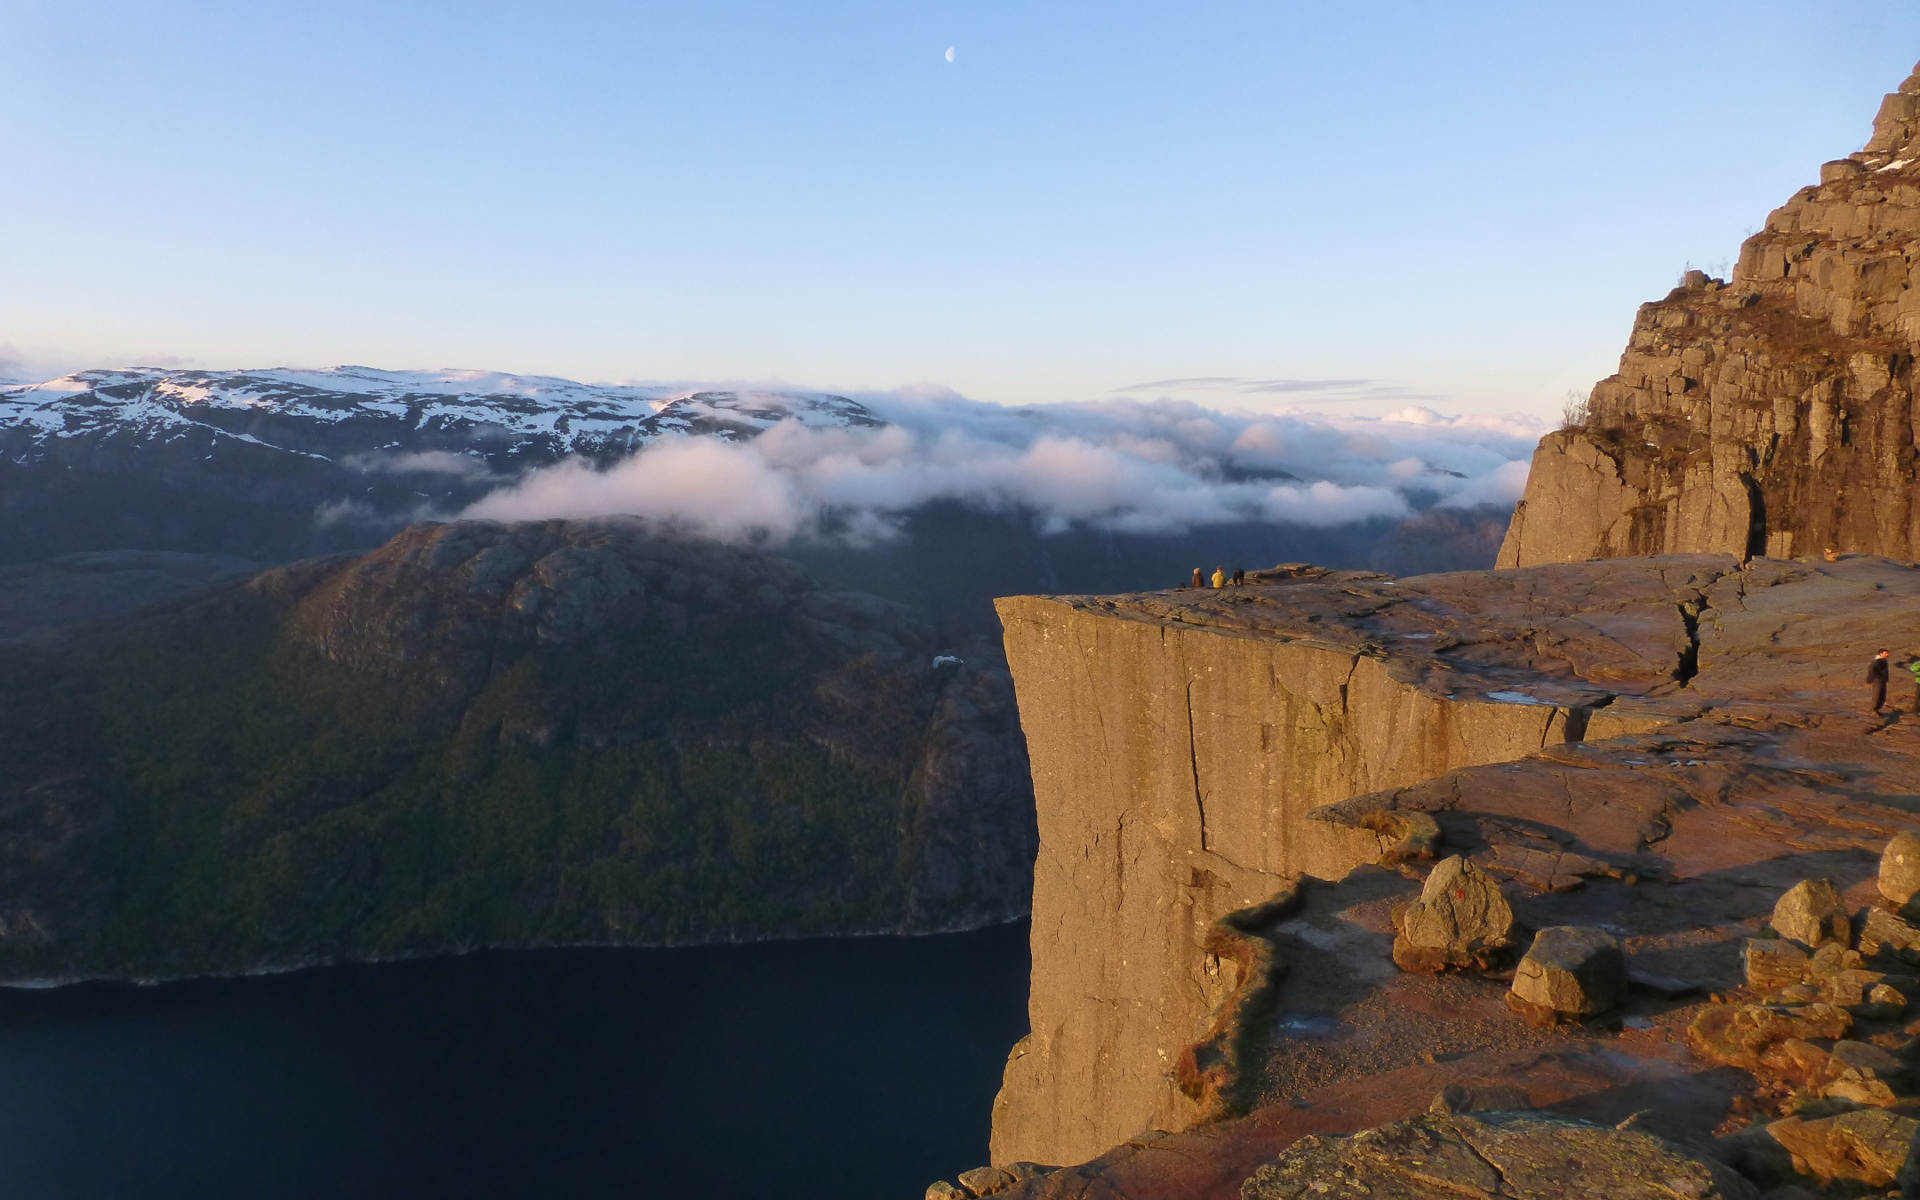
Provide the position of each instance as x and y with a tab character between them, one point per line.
949	53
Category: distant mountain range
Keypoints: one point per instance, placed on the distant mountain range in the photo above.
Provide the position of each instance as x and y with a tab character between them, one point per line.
275	465
359	410
319	461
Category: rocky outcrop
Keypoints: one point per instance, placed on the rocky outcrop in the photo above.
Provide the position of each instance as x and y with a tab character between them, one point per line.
1772	414
1643	730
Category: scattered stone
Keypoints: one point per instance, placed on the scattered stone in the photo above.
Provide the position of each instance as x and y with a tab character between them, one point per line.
1799	993
1774	963
1742	1035
1570	971
1868	1145
1023	1171
1510	1155
1864	1073
985	1181
1900	870
1811	914
940	1189
1832	958
1460	920
1885	936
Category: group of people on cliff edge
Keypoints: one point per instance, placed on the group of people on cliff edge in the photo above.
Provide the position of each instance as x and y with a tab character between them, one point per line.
1220	578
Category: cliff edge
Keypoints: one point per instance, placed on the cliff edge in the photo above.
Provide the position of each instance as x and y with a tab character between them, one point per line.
1613	740
1770	415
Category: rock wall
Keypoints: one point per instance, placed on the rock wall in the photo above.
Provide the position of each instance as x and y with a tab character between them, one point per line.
1174	768
1770	415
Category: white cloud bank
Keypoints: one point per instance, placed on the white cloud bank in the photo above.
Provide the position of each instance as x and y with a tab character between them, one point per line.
1125	465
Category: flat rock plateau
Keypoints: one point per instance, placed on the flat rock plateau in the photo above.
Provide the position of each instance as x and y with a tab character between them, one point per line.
1594	875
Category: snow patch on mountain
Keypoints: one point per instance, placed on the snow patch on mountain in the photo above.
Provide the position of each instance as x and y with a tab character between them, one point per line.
486	406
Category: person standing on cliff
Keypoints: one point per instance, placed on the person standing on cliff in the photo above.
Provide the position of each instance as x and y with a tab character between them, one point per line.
1197	582
1877	676
1913	666
1219	577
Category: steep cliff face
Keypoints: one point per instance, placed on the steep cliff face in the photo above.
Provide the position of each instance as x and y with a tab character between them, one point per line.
1773	414
1180	742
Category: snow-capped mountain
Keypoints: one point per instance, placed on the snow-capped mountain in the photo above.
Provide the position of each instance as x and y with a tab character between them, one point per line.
350	409
278	463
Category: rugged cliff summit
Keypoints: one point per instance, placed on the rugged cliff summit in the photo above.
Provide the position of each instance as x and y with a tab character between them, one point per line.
1229	782
1773	414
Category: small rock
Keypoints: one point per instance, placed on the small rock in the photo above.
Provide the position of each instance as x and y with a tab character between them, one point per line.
1900	870
1831	959
1868	1145
940	1189
985	1181
1570	971
1864	1073
1023	1171
1811	913
1741	1035
1774	963
1885	936
1460	920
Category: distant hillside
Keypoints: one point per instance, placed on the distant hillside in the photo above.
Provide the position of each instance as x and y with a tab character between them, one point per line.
492	734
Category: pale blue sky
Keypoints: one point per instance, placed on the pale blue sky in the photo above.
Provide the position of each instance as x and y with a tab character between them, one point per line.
1464	201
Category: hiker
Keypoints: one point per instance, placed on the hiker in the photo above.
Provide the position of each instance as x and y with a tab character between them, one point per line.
1219	577
1913	665
1877	676
1197	582
1239	576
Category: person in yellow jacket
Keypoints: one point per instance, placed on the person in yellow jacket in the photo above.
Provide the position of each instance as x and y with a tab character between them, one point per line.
1219	577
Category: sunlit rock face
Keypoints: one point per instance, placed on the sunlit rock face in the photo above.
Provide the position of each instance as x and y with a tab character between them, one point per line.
1773	414
1195	751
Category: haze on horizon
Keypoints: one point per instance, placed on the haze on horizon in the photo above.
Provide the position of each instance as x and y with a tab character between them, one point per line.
1261	207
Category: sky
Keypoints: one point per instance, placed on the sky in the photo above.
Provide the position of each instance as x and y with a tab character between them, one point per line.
1272	206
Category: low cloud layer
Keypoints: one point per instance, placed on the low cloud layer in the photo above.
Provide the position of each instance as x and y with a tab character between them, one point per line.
1125	465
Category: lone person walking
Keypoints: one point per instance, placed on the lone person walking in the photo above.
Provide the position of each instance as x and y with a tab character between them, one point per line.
1877	676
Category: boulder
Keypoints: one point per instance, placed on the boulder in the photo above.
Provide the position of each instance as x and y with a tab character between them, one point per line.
1900	870
1811	913
1868	1145
1460	920
1774	963
1569	971
1510	1155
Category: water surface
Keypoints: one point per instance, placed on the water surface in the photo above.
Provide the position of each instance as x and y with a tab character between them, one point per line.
848	1068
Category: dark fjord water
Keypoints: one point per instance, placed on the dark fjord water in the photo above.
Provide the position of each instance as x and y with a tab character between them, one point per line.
852	1068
